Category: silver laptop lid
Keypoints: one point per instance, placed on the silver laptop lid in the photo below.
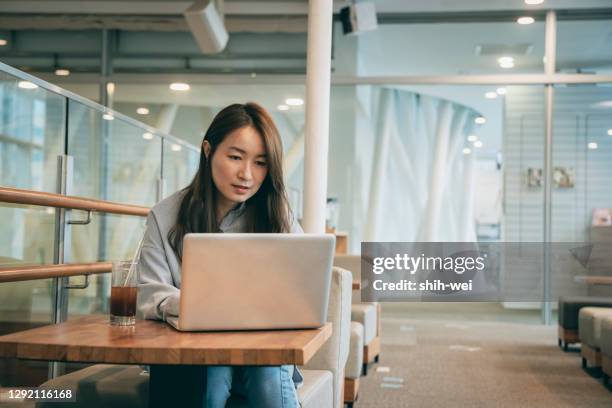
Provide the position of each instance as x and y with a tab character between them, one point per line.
255	281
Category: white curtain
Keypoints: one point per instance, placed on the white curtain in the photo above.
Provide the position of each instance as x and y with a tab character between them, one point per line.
421	183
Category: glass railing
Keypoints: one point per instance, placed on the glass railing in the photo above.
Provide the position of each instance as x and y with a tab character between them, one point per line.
110	157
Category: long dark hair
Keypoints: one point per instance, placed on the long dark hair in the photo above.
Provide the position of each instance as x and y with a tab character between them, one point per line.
266	211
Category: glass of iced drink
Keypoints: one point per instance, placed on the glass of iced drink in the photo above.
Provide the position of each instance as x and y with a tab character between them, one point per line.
124	292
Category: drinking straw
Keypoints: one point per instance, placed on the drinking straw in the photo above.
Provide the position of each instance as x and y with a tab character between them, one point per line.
135	259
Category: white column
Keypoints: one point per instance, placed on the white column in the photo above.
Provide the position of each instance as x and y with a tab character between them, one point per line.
318	72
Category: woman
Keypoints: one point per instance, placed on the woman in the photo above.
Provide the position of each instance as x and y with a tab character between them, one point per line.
238	188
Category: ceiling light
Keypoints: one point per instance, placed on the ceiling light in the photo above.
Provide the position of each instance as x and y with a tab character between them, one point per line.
294	101
147	135
472	138
609	132
491	95
501	91
27	85
478	144
480	120
506	62
525	20
142	111
282	107
592	145
179	86
3	42
176	148
62	72
108	116
533	2
467	150
110	88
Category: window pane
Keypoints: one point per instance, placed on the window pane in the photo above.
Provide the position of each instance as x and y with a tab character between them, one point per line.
584	46
31	135
448	49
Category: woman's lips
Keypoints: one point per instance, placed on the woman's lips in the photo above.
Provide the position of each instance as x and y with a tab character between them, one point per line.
240	189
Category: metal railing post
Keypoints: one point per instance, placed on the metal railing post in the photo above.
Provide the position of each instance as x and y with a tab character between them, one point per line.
61	250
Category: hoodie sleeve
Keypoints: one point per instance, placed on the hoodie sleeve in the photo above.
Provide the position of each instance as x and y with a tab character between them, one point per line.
158	297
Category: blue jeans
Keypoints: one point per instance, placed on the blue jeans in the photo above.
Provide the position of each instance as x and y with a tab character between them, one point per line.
262	386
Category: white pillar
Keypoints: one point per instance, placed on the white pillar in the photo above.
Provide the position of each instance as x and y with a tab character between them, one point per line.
318	73
167	114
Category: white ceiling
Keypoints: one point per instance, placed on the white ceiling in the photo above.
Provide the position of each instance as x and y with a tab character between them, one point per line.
275	7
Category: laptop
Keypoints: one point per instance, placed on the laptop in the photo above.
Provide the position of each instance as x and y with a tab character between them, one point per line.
254	281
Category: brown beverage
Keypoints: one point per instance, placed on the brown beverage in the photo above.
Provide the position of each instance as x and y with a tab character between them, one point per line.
123	301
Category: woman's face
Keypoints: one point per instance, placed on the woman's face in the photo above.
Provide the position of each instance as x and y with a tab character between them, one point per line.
238	166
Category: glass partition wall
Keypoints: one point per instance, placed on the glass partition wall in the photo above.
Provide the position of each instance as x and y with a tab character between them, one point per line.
110	157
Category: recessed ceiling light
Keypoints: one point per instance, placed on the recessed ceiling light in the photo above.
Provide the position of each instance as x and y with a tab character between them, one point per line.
142	111
108	116
27	85
533	2
62	72
506	62
294	101
592	145
147	135
179	86
467	150
3	42
472	138
525	20
176	147
478	144
491	95
501	91
609	132
282	107
480	120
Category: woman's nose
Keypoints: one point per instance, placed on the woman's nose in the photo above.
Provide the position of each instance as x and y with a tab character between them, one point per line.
245	172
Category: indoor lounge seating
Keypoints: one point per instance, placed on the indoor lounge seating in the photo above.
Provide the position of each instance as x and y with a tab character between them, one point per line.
354	364
366	313
569	308
589	330
606	349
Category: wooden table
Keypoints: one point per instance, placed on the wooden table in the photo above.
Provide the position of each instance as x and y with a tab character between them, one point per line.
176	358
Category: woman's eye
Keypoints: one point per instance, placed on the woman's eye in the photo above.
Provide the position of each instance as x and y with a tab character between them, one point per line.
261	163
234	157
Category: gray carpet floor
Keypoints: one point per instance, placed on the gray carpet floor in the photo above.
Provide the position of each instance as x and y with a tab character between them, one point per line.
434	361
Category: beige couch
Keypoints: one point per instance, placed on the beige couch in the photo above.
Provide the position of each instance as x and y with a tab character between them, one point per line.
590	321
366	313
